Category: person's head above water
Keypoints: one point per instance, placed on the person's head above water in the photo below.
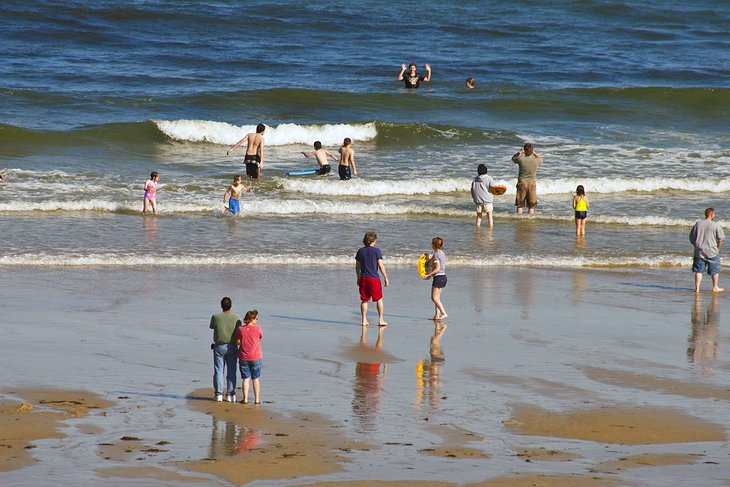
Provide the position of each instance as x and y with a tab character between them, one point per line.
470	82
317	145
260	128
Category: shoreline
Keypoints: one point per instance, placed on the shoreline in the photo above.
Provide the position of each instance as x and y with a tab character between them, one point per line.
625	352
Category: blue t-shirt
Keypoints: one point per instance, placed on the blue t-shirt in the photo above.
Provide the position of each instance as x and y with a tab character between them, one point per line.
368	258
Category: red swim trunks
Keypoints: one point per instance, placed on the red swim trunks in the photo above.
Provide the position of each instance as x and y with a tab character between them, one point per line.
370	288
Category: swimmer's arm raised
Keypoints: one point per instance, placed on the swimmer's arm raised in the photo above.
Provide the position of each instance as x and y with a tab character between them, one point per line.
428	73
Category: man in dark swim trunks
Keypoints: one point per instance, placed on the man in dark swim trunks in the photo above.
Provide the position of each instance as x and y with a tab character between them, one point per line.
254	158
347	160
411	78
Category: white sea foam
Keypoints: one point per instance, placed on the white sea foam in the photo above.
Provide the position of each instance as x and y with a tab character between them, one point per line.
370	187
622	185
546	186
262	207
344	261
283	134
97	206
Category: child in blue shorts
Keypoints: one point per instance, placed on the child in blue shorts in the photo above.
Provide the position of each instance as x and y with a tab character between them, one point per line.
232	195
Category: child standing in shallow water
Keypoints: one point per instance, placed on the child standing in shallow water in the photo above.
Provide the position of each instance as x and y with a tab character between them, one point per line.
580	205
232	195
249	354
438	263
150	191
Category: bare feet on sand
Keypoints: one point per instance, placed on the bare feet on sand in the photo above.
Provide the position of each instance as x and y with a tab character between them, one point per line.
717	289
382	323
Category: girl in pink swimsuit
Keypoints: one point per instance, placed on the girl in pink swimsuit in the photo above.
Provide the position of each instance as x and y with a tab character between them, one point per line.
150	190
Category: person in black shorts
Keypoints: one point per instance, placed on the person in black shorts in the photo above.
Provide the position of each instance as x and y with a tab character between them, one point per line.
321	155
410	76
347	159
252	162
254	159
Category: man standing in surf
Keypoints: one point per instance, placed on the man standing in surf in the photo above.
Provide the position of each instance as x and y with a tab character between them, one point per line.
368	260
706	236
254	158
528	160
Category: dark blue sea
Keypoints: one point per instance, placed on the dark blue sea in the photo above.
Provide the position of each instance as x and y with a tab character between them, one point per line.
629	99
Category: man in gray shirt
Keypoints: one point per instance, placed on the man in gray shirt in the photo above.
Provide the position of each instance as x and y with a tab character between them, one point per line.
707	237
528	160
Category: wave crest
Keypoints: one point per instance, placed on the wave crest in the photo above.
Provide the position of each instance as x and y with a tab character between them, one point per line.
345	261
284	134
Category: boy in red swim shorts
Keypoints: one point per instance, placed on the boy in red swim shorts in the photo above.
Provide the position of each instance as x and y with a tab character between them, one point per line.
368	261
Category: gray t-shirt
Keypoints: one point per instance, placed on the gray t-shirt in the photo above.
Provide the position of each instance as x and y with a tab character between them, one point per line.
480	189
528	167
705	235
441	258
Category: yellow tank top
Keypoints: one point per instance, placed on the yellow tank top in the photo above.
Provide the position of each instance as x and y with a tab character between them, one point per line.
581	205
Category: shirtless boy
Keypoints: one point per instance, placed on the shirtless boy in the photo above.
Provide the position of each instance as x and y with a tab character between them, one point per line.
321	155
347	159
233	193
254	158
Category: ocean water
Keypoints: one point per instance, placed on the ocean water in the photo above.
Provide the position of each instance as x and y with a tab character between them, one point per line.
629	99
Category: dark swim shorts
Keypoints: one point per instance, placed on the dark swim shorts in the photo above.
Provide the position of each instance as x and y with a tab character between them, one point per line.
345	173
324	170
252	165
581	215
439	281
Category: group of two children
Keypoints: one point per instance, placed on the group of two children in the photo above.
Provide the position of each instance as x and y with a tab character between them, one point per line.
369	260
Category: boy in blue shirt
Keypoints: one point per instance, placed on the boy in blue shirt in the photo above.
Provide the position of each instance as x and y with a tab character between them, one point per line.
368	261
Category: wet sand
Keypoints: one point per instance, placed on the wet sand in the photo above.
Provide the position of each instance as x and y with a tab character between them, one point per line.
542	377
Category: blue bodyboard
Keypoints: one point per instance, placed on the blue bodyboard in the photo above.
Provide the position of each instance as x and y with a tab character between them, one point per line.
305	172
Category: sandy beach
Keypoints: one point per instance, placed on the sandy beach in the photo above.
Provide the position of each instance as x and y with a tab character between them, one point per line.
541	377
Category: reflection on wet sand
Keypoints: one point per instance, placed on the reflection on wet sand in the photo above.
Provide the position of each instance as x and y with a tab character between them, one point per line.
368	380
579	286
703	344
524	289
428	372
228	438
149	227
